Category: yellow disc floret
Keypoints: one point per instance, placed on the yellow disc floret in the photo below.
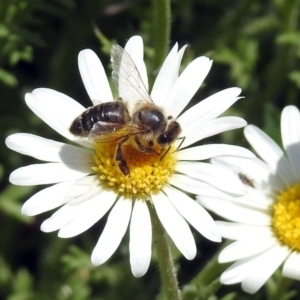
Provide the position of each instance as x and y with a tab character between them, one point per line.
148	172
286	219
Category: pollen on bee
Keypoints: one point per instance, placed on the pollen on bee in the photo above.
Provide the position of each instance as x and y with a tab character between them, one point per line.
148	172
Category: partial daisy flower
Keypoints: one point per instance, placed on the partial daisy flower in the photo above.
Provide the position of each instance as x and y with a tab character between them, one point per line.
266	221
140	158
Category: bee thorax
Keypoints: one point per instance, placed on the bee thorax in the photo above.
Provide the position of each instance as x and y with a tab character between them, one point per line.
151	118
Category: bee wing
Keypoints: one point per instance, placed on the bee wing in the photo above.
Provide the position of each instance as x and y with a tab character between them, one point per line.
125	73
105	132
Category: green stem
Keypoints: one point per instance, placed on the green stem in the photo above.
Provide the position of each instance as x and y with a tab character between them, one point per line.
207	281
170	289
281	289
162	25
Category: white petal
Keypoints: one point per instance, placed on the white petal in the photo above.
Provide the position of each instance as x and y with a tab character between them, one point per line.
194	134
60	218
57	110
290	132
234	212
83	189
270	152
216	176
194	213
213	150
69	213
94	77
46	199
253	272
167	76
245	248
255	169
175	225
238	231
195	186
263	267
187	85
45	149
49	173
209	108
114	230
254	198
235	273
291	266
140	239
87	214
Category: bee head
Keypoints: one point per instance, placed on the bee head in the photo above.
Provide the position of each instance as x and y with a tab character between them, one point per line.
169	135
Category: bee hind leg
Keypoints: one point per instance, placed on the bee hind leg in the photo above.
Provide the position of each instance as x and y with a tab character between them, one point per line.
120	158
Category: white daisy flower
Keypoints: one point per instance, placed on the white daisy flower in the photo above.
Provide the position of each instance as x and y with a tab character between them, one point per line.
89	181
266	221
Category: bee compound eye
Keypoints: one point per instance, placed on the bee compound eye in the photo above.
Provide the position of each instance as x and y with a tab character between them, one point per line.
170	135
162	139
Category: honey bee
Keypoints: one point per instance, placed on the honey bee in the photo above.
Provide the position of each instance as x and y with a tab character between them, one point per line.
111	121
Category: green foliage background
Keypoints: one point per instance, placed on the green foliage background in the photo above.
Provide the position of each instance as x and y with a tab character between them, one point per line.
254	44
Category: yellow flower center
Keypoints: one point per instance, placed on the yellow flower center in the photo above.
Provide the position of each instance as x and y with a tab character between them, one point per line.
148	172
286	219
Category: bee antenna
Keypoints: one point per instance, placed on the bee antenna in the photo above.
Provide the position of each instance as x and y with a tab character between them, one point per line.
182	140
165	153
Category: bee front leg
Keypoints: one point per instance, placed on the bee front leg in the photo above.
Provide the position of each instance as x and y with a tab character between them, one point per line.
142	148
120	158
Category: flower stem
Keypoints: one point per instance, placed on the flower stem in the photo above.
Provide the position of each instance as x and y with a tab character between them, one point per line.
281	289
170	289
207	282
162	21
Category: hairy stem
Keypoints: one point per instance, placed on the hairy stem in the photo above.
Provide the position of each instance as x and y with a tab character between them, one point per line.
162	20
170	289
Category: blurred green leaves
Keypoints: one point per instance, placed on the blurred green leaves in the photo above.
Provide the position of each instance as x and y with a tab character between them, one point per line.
14	38
241	59
19	22
19	285
10	201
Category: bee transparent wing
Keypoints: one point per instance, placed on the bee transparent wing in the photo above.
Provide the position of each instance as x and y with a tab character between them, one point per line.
126	74
105	132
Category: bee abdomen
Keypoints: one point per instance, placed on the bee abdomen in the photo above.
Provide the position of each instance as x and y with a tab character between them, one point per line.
82	125
110	112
